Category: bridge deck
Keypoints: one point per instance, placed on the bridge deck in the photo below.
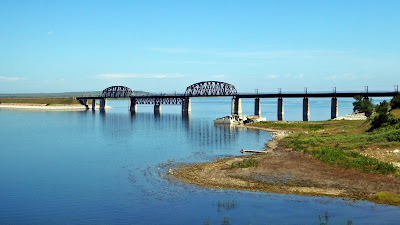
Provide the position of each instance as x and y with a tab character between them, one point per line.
274	95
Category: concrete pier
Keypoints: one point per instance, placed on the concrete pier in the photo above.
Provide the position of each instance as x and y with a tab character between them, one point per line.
93	104
257	108
334	108
237	106
157	109
186	106
103	104
85	103
281	113
132	105
306	109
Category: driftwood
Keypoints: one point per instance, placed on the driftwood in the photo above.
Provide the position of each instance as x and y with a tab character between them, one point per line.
251	151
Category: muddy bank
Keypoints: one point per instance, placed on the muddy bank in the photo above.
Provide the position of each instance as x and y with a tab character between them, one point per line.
284	171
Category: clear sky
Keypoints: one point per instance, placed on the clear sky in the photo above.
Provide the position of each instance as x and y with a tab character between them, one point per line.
164	46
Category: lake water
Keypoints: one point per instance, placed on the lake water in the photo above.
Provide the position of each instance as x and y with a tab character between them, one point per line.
108	168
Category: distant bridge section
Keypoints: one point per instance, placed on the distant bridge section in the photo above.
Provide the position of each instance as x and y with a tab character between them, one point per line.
211	88
117	92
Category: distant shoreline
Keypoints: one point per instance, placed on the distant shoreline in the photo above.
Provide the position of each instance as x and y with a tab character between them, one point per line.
28	106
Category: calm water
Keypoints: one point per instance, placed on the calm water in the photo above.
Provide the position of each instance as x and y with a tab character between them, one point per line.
107	168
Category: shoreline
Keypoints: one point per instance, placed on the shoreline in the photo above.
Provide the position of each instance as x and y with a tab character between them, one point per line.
45	107
284	171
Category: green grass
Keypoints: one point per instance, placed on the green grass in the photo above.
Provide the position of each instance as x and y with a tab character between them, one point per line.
336	142
387	198
47	101
388	136
290	125
245	163
348	159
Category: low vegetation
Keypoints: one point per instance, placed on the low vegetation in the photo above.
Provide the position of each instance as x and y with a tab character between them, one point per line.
387	198
349	159
282	125
245	163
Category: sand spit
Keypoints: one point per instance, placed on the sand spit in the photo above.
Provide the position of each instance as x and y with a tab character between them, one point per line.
45	107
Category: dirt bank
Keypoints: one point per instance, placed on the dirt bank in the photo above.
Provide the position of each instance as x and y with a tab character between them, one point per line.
284	171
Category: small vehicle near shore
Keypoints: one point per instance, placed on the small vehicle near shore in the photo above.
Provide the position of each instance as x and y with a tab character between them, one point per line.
231	119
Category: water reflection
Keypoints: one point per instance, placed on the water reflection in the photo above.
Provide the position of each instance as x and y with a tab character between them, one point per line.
203	133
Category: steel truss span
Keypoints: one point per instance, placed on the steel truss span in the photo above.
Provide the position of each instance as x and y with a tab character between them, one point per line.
117	92
211	88
158	101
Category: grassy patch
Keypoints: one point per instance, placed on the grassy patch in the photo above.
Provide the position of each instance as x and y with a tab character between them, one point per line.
395	112
348	159
245	163
336	142
388	198
290	125
47	101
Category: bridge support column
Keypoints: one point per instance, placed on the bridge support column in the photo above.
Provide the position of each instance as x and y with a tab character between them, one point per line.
103	104
281	112
257	108
186	105
306	109
93	104
132	105
157	109
237	106
334	108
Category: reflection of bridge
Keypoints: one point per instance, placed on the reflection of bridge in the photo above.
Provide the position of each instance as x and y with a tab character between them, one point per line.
220	89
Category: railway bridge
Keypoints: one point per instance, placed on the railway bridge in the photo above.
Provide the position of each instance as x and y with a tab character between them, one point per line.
222	89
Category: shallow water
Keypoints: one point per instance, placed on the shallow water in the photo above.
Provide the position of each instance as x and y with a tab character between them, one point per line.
108	168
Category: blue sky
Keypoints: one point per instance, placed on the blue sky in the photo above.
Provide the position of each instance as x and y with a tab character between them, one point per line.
164	46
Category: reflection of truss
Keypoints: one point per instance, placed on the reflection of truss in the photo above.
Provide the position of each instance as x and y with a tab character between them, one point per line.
117	92
158	100
207	88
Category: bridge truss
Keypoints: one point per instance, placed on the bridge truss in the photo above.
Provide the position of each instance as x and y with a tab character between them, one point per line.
158	100
117	92
211	88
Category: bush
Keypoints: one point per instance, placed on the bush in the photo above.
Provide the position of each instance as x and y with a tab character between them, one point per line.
383	118
363	105
395	102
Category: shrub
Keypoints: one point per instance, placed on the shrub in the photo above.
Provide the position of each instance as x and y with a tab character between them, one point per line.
363	105
395	102
383	118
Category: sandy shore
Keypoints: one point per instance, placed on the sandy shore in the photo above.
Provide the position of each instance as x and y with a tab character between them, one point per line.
45	107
